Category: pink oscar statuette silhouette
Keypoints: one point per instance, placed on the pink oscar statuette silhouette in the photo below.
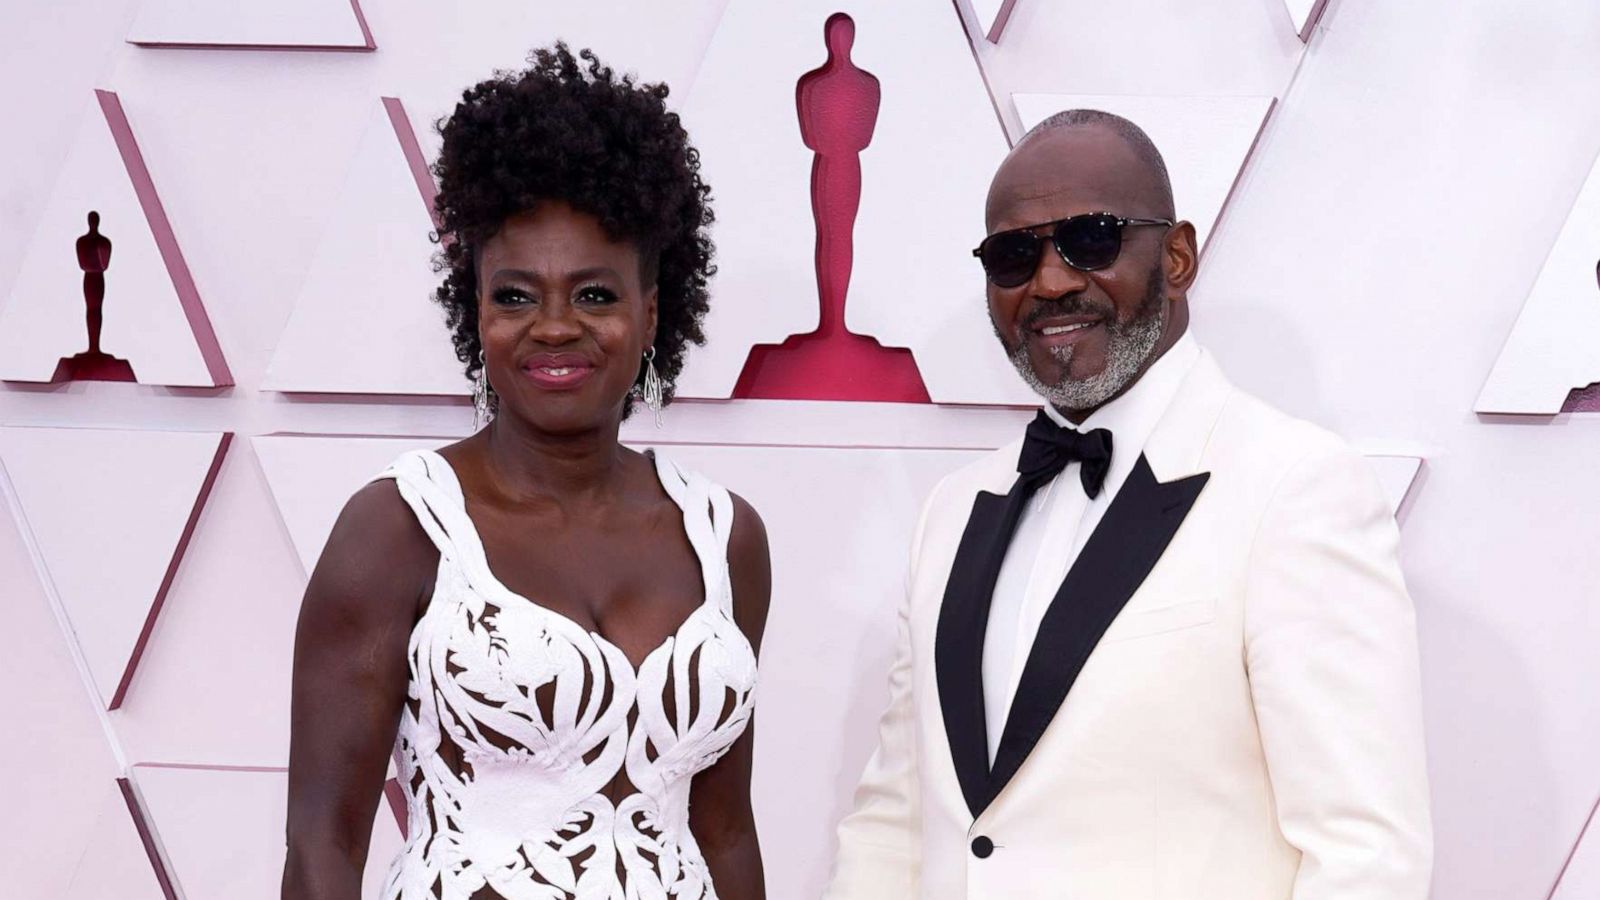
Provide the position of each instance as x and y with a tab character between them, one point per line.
838	106
94	257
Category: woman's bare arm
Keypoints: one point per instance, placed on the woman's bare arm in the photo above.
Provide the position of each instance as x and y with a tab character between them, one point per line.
350	677
719	811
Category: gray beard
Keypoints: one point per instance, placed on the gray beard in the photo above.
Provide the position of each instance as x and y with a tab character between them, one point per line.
1128	346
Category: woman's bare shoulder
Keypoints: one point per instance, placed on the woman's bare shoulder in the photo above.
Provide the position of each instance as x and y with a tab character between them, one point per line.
376	557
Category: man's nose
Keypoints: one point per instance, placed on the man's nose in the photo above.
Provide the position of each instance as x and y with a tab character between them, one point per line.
1055	278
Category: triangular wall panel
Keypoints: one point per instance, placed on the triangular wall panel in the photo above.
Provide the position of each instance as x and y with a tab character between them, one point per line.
116	863
916	284
365	321
1397	475
992	16
251	24
111	513
1303	14
743	116
1206	141
311	477
1554	348
153	315
222	829
55	746
831	629
1580	877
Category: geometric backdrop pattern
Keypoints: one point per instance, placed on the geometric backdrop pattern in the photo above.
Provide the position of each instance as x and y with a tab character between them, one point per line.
1552	353
743	115
1580	878
189	802
1206	141
138	297
111	513
1364	266
374	249
240	24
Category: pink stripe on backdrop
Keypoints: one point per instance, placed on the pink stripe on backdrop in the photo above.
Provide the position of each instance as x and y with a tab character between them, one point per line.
361	19
210	767
1311	19
1238	176
293	48
414	158
142	824
1578	842
983	75
1000	20
367	43
161	228
172	570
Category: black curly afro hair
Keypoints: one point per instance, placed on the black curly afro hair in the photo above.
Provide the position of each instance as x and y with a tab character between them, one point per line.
568	128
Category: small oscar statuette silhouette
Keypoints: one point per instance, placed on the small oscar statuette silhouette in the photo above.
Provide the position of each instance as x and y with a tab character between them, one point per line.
838	106
94	258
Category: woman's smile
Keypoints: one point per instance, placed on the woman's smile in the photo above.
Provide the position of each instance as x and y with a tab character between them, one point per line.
557	371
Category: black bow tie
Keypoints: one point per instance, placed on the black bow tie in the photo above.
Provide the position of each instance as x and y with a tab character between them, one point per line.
1049	448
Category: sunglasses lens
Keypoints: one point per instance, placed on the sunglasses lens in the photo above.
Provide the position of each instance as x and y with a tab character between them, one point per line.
1010	258
1089	242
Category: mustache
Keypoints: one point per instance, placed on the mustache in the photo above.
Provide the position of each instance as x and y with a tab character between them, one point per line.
1068	305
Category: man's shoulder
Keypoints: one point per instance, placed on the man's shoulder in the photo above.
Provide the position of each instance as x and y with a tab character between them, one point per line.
1217	426
1269	442
1250	418
993	471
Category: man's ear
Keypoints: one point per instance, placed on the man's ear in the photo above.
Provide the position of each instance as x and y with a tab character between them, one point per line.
1181	257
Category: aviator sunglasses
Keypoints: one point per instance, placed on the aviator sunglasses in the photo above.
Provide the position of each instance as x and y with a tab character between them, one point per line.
1087	242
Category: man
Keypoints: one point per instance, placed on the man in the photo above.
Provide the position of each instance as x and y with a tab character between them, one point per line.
1161	649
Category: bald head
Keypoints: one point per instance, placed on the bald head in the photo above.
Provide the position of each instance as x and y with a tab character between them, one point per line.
1081	149
1081	336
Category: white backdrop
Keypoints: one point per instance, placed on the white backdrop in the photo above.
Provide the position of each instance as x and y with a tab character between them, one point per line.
1419	165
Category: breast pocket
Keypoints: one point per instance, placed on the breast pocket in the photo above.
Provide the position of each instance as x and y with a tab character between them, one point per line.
1161	620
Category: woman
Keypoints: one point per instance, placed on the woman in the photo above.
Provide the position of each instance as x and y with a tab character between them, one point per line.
554	634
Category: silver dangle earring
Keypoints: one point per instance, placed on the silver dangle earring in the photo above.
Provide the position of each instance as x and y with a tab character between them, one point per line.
482	413
651	391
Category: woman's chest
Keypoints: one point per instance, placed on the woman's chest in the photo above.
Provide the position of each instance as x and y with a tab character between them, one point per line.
633	586
532	680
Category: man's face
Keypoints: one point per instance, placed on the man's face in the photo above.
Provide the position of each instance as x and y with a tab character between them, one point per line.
1080	338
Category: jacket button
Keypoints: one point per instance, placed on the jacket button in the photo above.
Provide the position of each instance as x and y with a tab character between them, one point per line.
982	847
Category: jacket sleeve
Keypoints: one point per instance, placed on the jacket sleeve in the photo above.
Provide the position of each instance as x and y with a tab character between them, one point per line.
1331	649
880	852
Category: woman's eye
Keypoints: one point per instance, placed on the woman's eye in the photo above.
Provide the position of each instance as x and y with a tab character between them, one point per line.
597	295
507	296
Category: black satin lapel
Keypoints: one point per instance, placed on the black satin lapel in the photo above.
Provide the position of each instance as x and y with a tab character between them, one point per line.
1124	548
958	644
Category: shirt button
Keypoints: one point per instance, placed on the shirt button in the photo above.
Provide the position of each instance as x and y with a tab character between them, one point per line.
982	847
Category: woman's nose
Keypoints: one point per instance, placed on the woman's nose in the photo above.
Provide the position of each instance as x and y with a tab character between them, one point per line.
556	323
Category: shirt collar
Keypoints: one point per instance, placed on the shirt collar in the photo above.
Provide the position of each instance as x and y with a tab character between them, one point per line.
1132	417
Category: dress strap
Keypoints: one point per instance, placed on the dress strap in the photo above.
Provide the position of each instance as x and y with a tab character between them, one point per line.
708	520
429	488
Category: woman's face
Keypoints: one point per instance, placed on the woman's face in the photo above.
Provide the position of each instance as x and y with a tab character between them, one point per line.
563	317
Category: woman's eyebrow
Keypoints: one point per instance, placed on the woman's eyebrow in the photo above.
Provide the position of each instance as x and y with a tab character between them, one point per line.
575	275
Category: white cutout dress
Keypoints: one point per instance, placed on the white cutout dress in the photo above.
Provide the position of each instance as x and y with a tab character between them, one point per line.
504	795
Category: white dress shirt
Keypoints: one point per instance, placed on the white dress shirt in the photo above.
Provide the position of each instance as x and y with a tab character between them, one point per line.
1061	517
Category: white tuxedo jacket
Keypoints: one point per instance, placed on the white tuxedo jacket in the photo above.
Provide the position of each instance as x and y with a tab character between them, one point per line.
1222	702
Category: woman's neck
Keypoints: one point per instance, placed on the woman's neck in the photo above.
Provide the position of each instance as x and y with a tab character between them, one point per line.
522	462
